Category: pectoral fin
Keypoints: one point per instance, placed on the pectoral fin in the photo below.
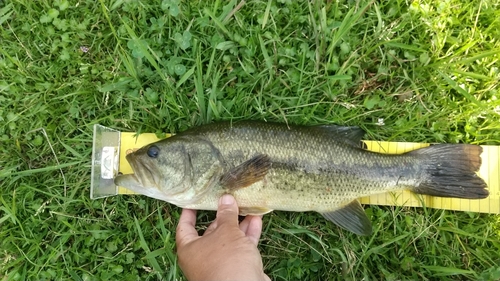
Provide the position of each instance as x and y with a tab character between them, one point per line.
247	173
254	211
351	217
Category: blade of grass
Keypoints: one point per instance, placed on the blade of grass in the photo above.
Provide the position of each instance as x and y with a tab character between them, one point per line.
459	89
266	14
198	85
5	13
144	245
347	23
146	50
448	271
5	173
471	74
267	59
217	22
185	77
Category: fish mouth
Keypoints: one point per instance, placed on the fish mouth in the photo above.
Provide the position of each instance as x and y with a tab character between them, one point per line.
143	172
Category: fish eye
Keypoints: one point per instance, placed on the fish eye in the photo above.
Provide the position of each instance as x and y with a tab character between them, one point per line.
153	151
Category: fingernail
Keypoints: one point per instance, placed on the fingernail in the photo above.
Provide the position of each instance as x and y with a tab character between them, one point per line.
226	199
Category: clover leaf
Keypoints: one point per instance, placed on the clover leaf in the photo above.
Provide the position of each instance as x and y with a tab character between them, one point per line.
172	6
184	40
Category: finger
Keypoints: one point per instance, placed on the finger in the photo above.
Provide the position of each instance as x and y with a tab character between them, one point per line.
211	227
254	229
244	223
227	212
186	232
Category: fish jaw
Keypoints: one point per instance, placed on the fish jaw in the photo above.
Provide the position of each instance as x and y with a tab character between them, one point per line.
145	173
130	181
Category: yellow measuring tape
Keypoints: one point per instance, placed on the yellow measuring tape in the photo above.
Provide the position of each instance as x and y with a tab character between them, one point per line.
489	172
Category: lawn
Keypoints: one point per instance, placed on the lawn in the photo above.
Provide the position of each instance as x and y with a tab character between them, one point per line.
420	71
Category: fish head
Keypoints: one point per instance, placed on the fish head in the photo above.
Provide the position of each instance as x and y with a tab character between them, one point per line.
179	170
160	170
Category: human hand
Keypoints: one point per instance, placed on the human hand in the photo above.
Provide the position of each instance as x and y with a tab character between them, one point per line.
226	251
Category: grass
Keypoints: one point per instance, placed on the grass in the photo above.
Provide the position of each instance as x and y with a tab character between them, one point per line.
427	70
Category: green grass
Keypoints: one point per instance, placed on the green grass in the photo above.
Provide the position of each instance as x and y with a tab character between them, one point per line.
428	69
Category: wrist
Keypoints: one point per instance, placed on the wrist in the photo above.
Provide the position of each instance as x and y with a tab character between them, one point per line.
236	272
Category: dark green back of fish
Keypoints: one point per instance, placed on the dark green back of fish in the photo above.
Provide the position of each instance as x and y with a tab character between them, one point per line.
329	159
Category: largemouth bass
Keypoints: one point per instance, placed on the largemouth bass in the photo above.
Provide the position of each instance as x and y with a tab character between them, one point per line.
270	166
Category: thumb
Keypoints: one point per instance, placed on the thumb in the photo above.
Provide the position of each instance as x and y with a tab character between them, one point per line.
227	212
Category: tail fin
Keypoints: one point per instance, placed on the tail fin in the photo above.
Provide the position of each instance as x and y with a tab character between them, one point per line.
451	171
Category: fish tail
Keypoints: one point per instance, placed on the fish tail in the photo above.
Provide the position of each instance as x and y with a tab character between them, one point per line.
451	171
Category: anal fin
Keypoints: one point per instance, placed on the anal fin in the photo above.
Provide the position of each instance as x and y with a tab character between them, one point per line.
351	217
254	211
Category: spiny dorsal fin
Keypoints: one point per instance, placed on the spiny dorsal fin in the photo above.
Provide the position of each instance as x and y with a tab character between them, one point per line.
349	134
351	217
247	173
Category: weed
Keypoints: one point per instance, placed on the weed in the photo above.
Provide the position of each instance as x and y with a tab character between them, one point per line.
423	71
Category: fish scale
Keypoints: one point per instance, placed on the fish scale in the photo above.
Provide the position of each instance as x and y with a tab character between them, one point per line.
271	166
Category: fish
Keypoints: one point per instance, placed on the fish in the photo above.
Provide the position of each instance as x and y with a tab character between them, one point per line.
274	166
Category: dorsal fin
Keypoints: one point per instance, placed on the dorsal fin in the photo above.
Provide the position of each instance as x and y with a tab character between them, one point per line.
351	135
